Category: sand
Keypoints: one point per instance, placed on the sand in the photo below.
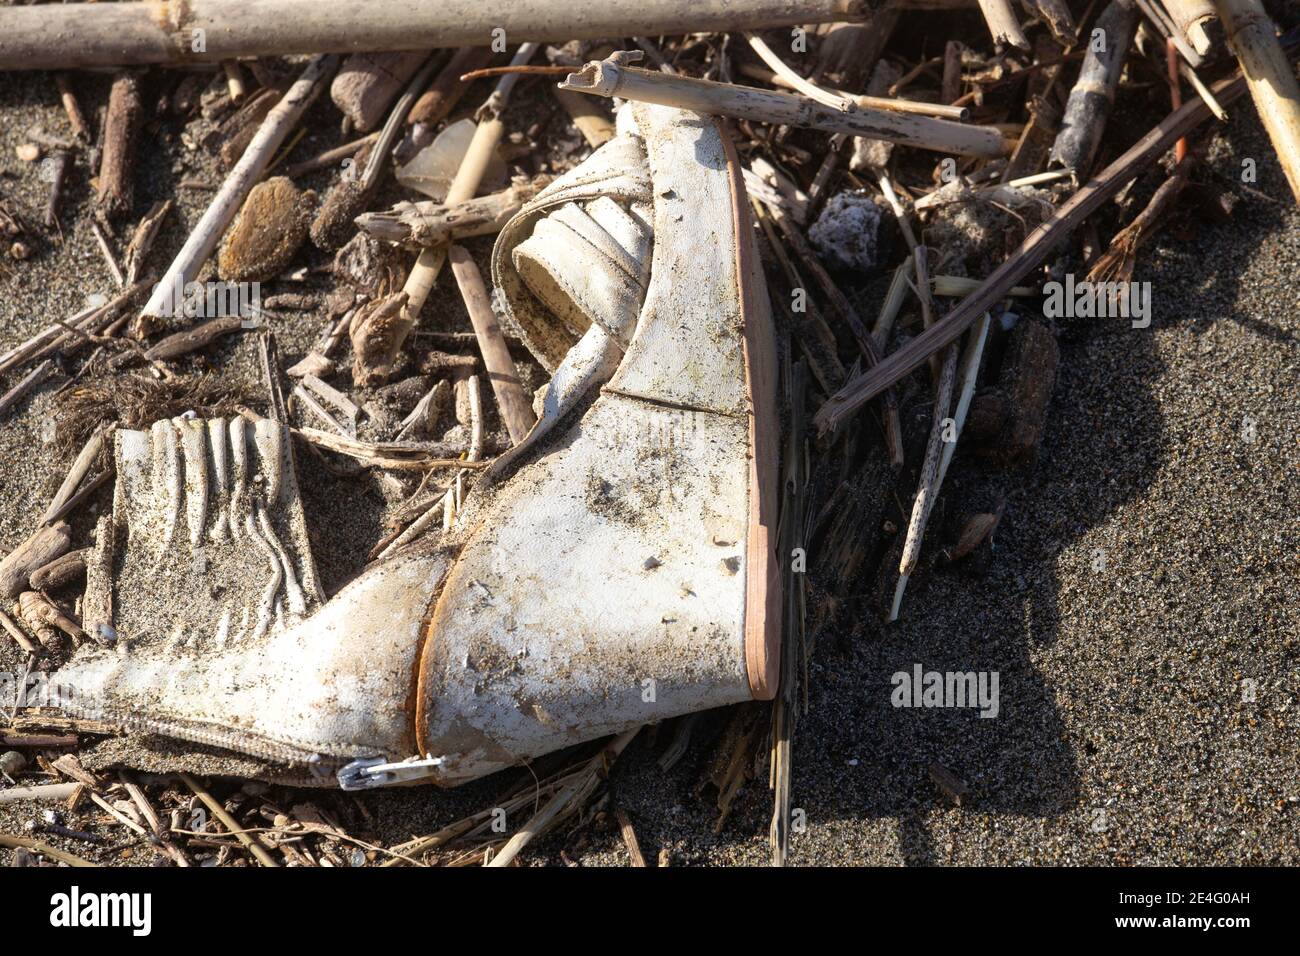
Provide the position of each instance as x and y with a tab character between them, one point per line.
1122	735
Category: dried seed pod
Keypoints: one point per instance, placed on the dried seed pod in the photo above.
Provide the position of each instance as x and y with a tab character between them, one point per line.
334	223
270	228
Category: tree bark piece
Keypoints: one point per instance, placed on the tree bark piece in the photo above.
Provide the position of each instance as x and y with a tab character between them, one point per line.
121	127
37	551
63	36
367	84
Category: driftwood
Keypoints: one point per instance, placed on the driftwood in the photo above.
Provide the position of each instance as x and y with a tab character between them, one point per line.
1090	100
427	223
45	617
246	174
367	84
1024	259
142	239
73	35
121	127
37	551
63	570
612	77
1003	24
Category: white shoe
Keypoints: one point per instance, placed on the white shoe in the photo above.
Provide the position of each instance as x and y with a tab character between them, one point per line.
617	568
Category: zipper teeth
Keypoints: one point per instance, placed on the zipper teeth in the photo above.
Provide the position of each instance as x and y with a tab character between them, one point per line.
242	742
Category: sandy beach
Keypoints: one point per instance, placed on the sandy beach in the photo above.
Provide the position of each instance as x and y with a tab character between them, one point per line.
1142	587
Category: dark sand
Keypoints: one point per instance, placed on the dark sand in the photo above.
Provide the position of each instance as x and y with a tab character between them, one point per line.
1122	736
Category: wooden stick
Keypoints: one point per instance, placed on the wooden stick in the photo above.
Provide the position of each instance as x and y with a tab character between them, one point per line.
428	223
629	837
44	849
88	455
17	633
512	400
612	77
76	119
248	839
1003	23
928	488
1026	257
93	34
30	381
46	545
1093	95
1270	78
1190	18
330	157
121	126
246	174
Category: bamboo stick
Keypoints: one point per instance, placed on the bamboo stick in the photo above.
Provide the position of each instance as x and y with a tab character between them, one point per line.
1190	18
612	77
246	174
1270	78
1024	259
512	400
62	36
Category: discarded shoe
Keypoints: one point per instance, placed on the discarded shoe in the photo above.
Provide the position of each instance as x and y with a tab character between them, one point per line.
614	569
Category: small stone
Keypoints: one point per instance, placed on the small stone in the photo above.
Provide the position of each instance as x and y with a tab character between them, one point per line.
12	762
28	152
20	251
651	563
